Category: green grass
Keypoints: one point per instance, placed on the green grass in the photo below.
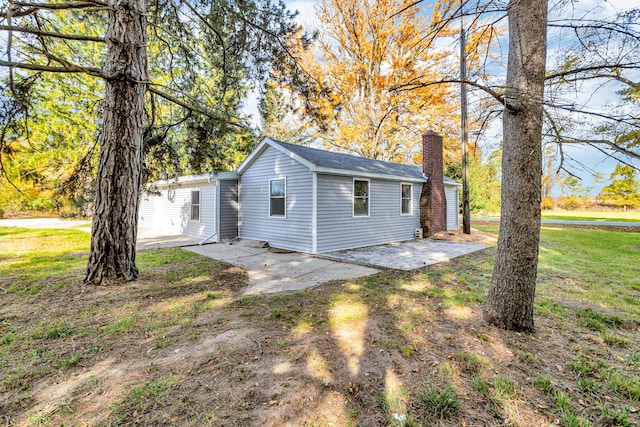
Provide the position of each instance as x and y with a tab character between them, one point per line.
470	362
611	216
37	255
33	265
442	404
592	266
147	397
413	326
504	388
606	216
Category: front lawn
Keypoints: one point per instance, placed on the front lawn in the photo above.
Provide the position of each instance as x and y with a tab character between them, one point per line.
595	216
182	346
609	216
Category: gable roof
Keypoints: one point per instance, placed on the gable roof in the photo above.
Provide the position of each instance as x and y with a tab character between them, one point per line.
337	163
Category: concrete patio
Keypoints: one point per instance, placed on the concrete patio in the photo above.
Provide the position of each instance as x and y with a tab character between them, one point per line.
406	256
275	271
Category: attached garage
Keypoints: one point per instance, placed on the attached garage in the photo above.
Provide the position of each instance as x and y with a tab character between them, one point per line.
202	206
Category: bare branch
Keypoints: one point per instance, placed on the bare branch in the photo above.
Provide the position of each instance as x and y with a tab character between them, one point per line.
62	6
597	25
610	144
218	36
612	156
53	69
190	106
79	37
628	120
32	8
613	76
629	66
419	85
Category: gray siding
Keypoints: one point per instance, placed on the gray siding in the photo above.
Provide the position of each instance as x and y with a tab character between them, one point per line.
338	229
228	210
167	217
294	231
451	197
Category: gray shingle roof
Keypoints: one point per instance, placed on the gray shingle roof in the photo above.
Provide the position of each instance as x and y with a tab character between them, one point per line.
333	160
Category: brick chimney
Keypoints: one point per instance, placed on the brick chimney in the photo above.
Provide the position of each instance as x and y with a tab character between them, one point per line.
433	206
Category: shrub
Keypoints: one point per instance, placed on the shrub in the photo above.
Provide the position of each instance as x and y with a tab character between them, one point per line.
546	204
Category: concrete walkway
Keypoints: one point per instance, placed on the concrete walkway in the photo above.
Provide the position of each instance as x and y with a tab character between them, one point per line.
84	225
406	256
271	272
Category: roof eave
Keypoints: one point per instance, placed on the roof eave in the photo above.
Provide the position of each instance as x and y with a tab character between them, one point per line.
194	179
351	172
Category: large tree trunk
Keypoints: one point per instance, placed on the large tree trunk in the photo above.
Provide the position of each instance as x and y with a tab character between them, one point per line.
114	232
512	289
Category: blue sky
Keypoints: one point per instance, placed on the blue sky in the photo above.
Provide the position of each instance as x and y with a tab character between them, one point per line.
582	160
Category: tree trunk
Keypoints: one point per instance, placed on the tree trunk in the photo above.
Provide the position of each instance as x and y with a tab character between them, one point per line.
512	290
115	220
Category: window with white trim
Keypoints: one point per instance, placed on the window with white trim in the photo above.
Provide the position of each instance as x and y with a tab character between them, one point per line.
360	197
195	205
406	199
277	197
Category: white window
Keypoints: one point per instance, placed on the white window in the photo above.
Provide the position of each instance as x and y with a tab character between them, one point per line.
360	197
195	205
277	197
406	199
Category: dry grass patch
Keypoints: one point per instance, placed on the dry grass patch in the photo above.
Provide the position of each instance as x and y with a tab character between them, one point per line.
182	346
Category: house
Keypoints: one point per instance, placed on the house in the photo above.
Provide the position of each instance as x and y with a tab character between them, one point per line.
202	206
308	200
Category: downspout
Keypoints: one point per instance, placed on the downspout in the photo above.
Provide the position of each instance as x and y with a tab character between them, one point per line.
215	233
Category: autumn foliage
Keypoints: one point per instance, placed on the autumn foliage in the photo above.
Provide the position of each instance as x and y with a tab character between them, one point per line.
366	55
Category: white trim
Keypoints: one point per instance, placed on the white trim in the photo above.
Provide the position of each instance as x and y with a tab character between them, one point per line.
217	189
191	204
353	197
239	212
314	213
264	144
281	178
193	179
402	199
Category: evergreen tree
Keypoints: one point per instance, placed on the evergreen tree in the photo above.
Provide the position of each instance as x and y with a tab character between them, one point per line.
204	54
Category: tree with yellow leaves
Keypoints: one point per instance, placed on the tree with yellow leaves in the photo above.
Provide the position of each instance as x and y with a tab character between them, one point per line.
364	52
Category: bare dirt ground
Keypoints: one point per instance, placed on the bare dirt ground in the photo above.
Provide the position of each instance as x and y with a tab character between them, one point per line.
476	236
192	351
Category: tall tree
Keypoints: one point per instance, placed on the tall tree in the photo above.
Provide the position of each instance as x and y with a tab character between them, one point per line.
55	125
513	285
245	37
364	49
114	228
605	51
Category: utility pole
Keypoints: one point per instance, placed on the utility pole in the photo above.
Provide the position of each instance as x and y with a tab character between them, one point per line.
466	214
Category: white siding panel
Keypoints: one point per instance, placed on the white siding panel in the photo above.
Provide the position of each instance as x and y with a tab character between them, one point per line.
451	197
167	217
290	232
338	229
